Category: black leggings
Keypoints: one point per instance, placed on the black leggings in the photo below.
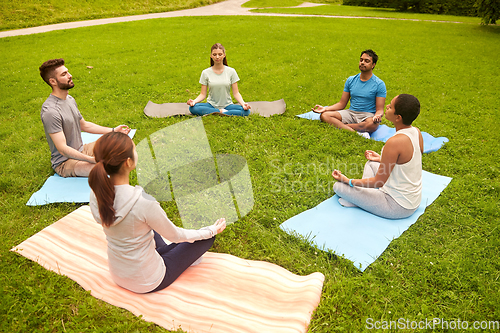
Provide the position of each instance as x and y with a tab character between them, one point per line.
178	257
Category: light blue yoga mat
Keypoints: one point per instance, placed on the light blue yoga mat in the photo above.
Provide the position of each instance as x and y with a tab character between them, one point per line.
383	133
71	189
354	233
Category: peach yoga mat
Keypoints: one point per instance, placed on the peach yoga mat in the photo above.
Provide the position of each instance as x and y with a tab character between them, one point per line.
223	293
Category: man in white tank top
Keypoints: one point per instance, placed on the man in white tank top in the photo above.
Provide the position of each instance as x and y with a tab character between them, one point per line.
391	186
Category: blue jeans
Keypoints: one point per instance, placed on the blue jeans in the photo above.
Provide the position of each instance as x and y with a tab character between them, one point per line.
201	109
178	257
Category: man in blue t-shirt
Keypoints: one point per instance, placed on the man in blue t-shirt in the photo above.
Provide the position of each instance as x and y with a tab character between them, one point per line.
367	95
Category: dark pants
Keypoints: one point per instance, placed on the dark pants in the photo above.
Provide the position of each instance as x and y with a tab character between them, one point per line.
178	257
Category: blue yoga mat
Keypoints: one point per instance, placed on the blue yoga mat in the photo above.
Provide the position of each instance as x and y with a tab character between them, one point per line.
354	233
71	189
383	133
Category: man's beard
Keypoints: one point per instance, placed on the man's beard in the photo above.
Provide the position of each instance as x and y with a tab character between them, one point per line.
365	68
65	86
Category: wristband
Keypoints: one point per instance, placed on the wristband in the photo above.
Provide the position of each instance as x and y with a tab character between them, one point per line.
350	183
112	129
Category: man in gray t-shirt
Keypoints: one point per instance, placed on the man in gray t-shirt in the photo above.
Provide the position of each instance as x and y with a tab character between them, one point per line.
63	124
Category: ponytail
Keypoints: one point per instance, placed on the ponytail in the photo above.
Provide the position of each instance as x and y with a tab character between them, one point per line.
104	192
110	151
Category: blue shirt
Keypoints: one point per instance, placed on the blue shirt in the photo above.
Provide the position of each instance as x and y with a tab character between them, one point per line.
364	93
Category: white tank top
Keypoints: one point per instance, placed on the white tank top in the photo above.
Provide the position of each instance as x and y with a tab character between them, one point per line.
404	184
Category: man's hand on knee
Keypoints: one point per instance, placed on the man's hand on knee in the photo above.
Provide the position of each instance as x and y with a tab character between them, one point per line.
369	125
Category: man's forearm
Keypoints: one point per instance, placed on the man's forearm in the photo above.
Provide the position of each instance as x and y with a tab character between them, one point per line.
377	117
69	152
379	113
95	129
335	107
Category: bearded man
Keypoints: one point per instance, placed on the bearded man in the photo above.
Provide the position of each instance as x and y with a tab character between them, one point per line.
367	94
63	124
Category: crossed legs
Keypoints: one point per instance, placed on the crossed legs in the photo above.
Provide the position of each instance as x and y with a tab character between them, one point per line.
372	200
335	118
201	109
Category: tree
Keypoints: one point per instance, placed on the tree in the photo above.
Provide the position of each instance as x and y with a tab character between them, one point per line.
488	10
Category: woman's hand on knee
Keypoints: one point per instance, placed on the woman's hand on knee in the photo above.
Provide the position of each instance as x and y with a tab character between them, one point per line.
337	175
372	156
190	102
220	225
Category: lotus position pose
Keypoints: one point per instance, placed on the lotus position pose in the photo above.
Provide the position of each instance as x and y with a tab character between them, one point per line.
391	186
367	95
63	124
139	259
219	79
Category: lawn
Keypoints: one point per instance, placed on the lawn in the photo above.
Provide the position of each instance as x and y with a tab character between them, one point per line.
262	6
31	13
445	266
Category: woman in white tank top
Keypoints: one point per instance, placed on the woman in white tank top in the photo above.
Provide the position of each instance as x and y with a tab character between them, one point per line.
391	186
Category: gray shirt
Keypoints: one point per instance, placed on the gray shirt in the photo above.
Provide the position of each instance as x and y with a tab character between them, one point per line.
61	115
219	86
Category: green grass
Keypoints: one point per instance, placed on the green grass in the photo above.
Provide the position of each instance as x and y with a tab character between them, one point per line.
31	13
445	266
340	10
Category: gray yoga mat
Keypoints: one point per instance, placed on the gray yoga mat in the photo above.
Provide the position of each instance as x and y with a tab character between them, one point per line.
263	108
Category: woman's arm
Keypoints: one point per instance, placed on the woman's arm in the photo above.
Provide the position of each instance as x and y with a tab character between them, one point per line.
157	219
237	96
201	96
420	141
387	162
